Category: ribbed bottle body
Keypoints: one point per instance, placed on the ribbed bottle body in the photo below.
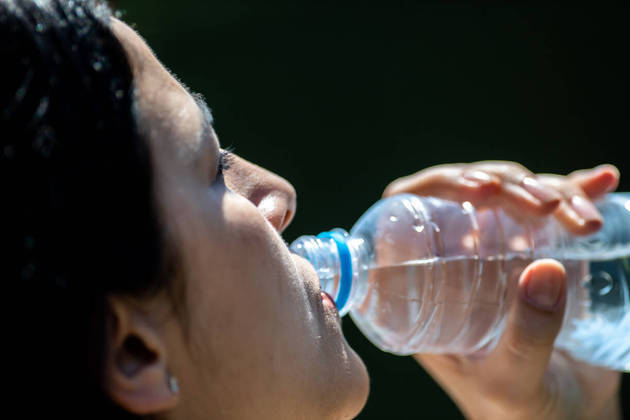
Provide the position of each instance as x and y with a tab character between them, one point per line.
442	275
436	276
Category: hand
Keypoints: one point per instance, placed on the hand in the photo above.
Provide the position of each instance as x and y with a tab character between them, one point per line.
517	190
524	377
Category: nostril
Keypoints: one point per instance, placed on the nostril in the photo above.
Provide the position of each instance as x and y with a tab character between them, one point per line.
288	216
277	210
291	206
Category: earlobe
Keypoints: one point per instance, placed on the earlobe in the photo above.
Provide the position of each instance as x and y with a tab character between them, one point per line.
136	373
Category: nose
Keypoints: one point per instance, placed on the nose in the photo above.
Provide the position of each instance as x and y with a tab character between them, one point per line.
273	195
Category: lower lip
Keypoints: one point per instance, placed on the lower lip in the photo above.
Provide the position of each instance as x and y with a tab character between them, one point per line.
328	301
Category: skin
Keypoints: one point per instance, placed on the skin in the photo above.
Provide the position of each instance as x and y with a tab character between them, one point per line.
525	377
256	339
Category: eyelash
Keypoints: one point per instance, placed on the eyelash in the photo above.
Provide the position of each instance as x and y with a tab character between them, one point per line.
225	162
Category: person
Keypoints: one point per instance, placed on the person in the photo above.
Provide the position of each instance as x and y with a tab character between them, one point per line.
149	269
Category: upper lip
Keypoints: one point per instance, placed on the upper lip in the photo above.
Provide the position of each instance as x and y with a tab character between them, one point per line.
309	266
331	299
306	278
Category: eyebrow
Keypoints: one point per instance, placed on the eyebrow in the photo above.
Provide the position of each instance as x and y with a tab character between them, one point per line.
206	114
207	119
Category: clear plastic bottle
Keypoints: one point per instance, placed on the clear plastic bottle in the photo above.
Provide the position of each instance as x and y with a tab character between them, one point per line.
421	274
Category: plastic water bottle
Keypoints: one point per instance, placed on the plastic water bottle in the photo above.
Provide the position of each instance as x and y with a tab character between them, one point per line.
421	274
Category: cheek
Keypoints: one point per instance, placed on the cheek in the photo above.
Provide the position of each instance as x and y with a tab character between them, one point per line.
257	338
243	290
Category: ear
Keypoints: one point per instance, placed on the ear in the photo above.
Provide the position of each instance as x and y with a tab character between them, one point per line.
136	373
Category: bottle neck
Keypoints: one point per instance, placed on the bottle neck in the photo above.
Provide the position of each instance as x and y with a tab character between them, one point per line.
340	263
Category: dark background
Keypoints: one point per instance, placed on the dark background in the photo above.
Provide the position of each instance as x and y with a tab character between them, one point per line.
340	98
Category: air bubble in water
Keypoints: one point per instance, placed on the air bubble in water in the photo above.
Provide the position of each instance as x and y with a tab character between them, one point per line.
604	283
600	282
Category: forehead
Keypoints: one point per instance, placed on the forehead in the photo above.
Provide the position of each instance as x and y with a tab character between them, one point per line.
167	113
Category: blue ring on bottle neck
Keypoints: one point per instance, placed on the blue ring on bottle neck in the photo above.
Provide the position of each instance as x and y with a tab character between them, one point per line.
345	264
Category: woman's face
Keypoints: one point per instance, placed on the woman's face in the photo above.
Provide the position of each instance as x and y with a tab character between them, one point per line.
259	340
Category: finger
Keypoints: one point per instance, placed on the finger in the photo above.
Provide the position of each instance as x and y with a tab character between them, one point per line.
508	171
484	184
533	324
520	189
450	182
579	216
597	181
519	201
576	212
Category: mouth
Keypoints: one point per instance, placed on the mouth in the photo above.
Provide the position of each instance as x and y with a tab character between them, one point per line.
308	274
329	301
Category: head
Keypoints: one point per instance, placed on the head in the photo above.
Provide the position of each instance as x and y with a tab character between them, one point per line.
143	251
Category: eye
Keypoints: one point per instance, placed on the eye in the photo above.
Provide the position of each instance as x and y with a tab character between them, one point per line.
224	163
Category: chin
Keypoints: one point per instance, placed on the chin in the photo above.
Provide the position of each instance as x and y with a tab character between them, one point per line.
348	393
361	386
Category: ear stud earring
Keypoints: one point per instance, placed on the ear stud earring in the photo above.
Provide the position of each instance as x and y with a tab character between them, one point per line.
173	386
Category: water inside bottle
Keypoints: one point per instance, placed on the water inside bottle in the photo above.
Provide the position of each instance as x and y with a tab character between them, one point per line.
459	305
597	323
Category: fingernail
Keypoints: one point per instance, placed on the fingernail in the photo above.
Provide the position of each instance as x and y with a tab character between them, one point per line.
485	184
545	194
586	210
612	176
467	182
608	167
543	290
478	176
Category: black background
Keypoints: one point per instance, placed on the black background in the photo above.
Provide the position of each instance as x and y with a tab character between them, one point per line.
341	98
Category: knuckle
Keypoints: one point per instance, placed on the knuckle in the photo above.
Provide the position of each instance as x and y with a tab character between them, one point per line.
562	185
551	180
520	349
510	171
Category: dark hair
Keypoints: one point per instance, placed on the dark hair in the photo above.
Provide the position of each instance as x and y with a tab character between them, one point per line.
78	216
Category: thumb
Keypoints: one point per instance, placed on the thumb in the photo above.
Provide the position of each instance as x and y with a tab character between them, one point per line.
532	325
